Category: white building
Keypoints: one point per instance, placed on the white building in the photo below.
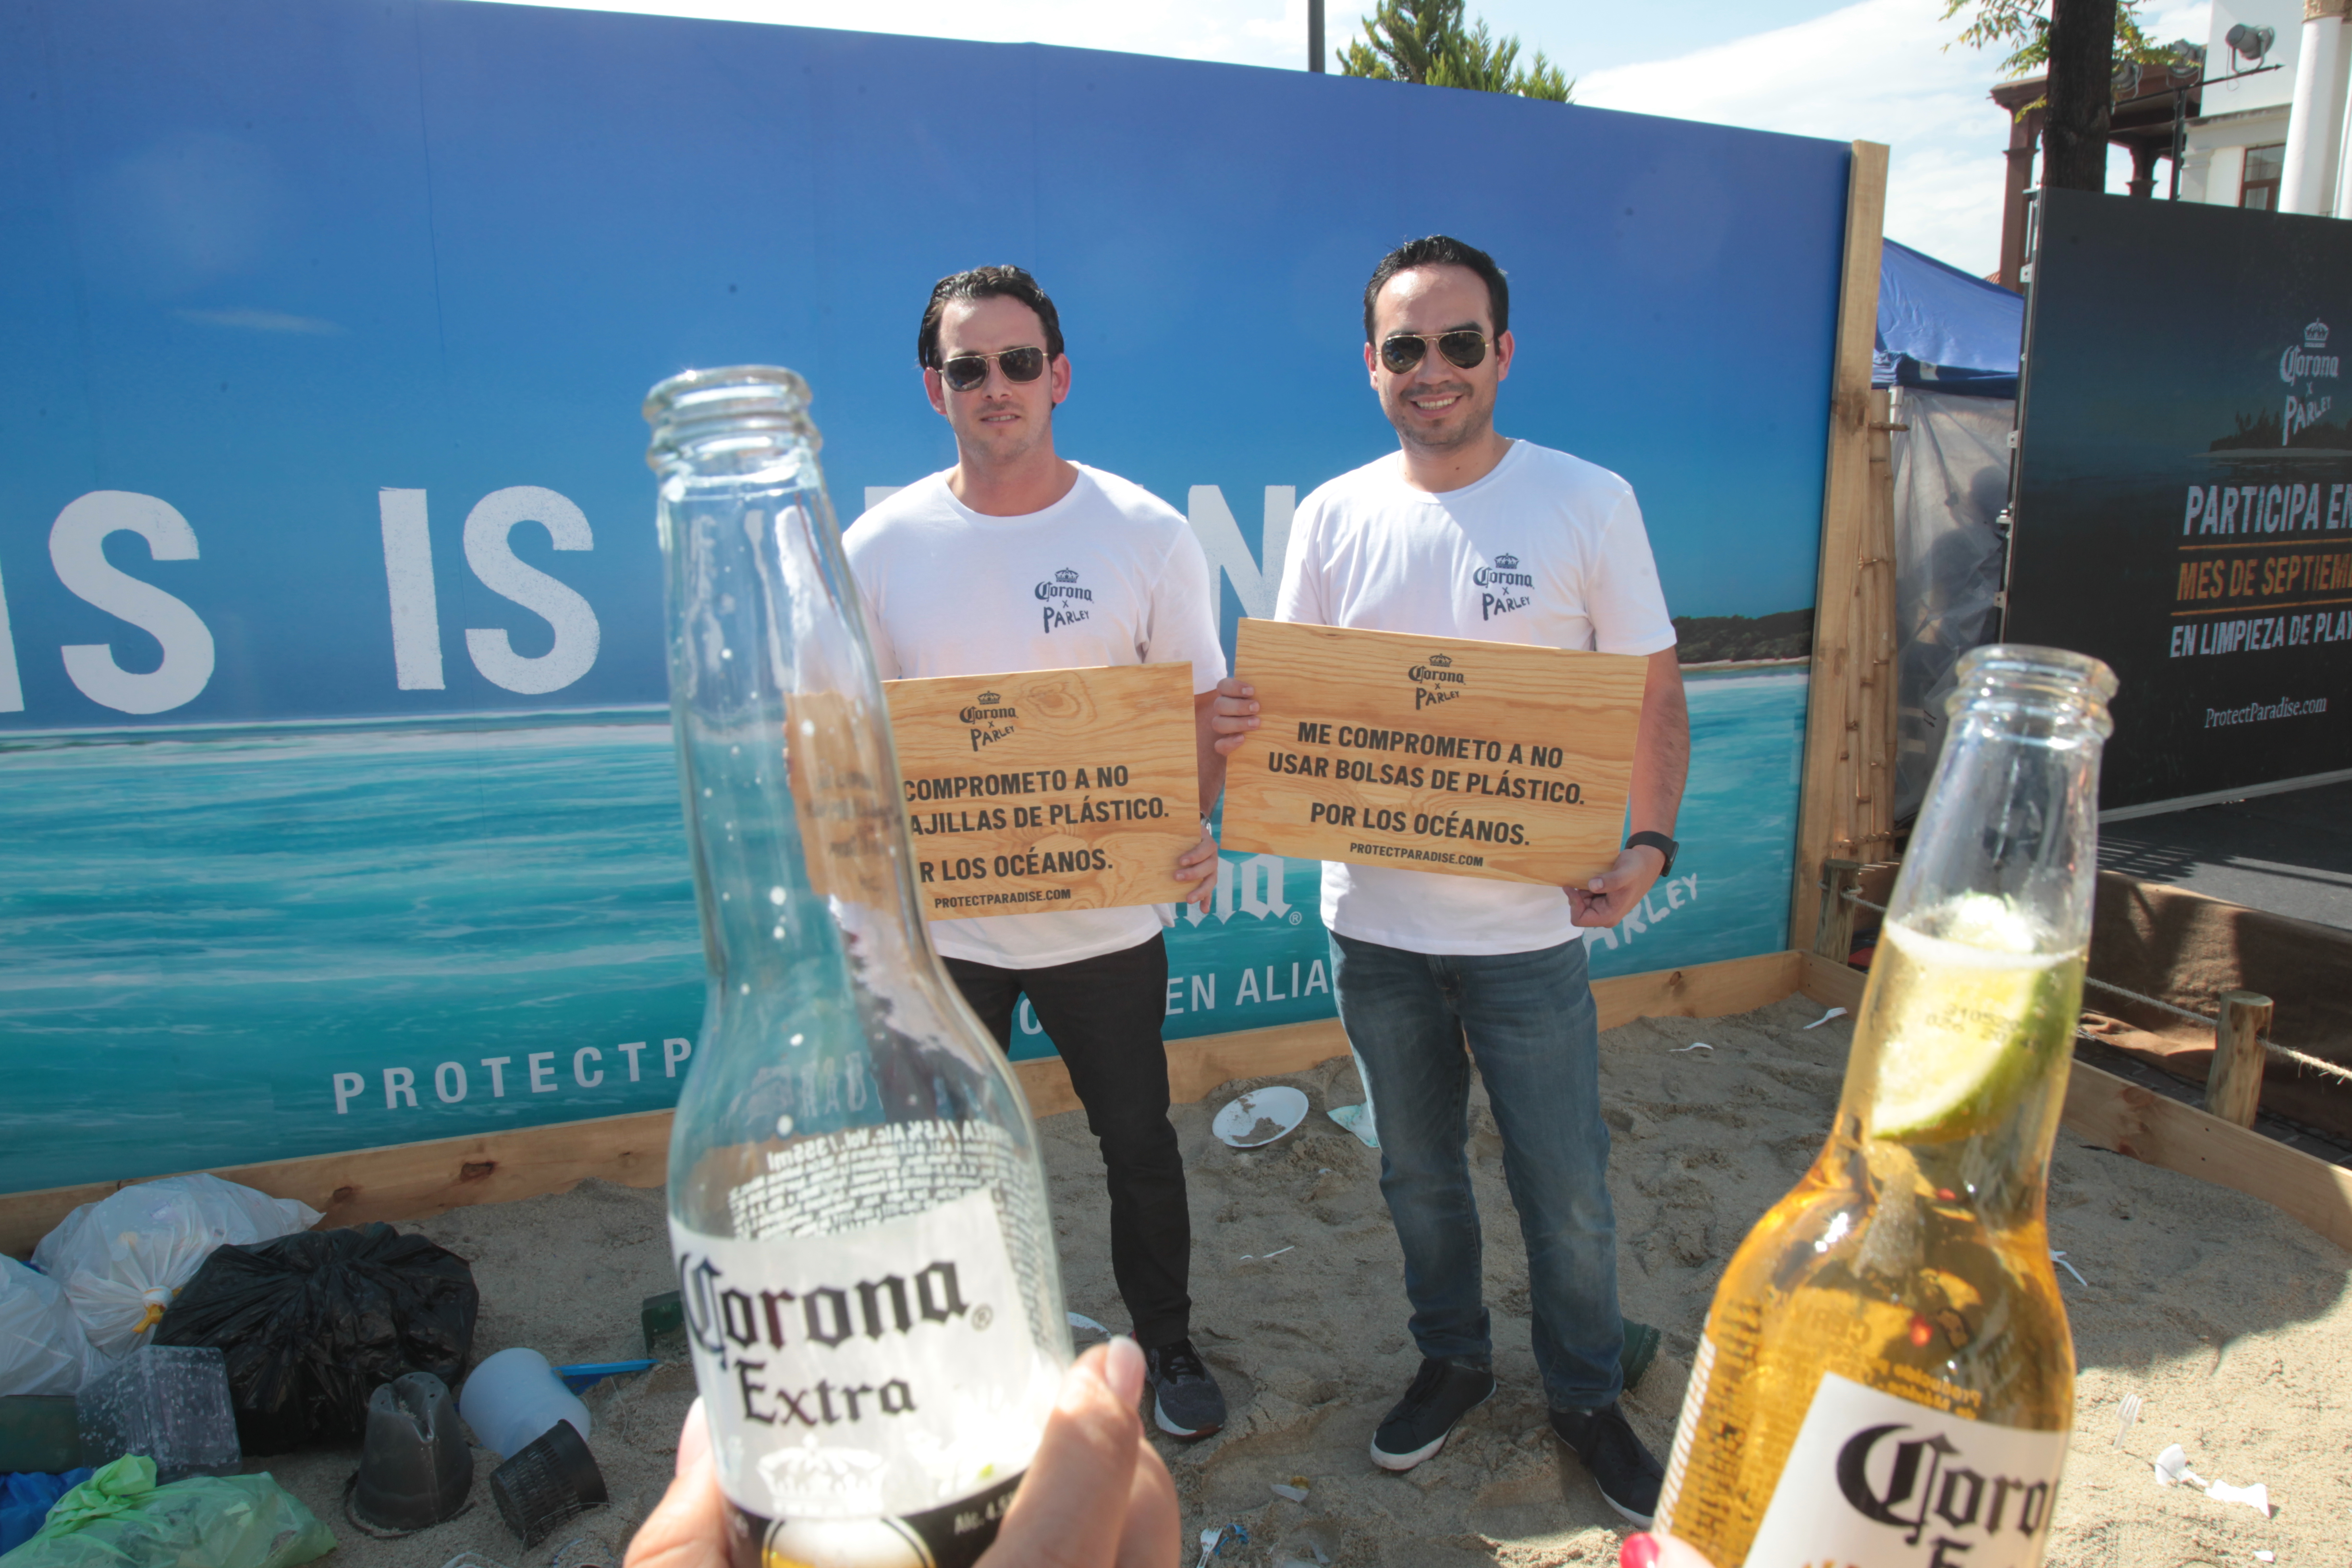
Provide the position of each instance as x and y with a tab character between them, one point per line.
2272	141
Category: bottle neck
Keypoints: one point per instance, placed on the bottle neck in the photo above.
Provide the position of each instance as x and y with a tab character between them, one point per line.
1965	1033
799	849
1999	1174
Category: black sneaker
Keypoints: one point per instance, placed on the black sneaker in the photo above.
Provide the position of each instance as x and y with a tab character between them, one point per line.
1442	1393
1185	1400
1628	1477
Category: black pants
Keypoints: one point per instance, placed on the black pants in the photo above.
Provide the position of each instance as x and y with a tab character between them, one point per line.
1104	1013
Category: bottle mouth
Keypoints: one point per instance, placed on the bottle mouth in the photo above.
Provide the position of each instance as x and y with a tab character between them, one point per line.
705	417
2050	680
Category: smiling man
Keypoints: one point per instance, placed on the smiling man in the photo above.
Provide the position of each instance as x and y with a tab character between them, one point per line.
1017	559
1465	533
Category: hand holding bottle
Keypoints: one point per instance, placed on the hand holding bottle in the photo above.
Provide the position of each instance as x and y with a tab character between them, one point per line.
1647	1550
1097	1494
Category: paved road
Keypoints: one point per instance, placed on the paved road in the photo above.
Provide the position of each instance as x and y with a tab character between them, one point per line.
2290	854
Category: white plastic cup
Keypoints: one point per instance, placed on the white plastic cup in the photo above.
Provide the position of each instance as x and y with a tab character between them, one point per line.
513	1397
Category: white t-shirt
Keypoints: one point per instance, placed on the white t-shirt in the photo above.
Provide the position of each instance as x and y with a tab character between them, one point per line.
1546	550
1108	574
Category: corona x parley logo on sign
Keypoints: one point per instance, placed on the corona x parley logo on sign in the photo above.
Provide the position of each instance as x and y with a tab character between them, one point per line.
1434	679
2309	364
989	718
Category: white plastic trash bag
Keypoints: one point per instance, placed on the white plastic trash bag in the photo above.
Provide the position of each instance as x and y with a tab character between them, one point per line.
122	1258
42	1347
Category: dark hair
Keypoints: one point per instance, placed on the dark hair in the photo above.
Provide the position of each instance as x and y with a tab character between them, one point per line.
1441	250
985	283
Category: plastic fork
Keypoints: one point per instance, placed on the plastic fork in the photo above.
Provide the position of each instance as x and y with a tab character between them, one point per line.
2125	1414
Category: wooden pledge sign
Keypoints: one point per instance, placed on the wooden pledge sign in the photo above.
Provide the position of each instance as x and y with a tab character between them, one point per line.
1476	759
1054	789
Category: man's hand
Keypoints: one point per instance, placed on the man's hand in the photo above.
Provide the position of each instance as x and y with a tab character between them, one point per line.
1096	1495
1234	715
689	1528
1197	870
1605	899
1649	1551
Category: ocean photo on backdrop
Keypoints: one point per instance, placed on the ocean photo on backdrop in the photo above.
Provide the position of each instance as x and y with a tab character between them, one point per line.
518	946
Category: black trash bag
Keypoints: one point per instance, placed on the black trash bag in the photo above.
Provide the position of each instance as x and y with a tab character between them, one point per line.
312	1323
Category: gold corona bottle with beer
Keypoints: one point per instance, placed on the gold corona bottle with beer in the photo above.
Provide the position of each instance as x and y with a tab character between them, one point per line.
1886	1379
856	1205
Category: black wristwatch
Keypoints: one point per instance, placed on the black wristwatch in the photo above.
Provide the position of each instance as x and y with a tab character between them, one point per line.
1659	842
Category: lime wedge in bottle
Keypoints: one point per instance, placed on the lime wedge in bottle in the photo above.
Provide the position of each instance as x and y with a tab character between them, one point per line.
1966	1017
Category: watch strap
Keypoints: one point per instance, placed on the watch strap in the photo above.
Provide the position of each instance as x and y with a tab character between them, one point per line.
1659	842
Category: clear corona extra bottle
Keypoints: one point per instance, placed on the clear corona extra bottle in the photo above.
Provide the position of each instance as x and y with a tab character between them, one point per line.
1886	1379
856	1205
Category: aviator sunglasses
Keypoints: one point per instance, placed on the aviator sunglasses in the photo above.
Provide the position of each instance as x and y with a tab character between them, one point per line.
1464	349
966	373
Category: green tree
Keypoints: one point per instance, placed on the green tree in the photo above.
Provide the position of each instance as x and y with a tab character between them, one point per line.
2022	26
2078	43
1429	41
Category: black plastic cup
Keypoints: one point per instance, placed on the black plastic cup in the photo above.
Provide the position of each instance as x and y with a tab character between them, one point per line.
554	1478
415	1469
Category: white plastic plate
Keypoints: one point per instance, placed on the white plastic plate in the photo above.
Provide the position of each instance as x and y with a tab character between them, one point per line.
1260	1117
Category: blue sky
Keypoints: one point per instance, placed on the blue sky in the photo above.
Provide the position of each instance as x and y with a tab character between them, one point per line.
277	256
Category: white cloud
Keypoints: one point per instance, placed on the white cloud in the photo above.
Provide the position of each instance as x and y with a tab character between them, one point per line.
256	321
1875	72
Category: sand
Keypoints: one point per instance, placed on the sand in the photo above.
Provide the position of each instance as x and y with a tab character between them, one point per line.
2232	1323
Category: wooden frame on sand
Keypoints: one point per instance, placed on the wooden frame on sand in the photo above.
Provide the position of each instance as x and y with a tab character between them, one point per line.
411	1181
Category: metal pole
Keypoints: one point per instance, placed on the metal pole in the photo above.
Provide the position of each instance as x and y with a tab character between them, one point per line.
1315	36
2180	128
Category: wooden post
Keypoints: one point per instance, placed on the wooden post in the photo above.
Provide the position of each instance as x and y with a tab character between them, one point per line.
1873	829
2233	1085
1845	497
1833	933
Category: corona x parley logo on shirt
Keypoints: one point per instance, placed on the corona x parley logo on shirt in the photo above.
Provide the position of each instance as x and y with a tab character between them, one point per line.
1434	679
1496	582
1060	599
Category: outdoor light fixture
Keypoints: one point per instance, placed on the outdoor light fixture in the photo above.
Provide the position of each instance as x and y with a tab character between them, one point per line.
2251	44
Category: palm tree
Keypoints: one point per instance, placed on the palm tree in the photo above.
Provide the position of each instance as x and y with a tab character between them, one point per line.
1429	41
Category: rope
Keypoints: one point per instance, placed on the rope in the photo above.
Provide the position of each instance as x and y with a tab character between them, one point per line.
2284	1053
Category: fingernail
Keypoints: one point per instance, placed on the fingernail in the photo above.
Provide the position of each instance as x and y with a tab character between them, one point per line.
1639	1552
1122	1369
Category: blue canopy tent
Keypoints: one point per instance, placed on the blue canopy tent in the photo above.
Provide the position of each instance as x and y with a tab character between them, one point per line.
1939	328
1949	346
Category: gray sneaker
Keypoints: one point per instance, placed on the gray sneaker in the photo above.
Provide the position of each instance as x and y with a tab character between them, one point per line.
1442	1393
1185	1400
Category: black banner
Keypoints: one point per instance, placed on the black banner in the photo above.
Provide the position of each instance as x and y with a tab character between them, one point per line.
2184	487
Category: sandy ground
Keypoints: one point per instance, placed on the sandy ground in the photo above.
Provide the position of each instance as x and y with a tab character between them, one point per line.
2233	1323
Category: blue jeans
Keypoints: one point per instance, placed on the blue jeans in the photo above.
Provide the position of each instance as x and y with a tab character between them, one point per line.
1530	1021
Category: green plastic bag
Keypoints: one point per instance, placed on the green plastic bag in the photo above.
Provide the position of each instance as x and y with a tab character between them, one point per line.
120	1518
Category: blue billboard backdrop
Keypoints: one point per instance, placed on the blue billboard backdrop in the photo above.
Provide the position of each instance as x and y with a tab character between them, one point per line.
335	772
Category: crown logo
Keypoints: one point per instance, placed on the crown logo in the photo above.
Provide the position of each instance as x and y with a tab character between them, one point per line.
1507	563
1441	661
1065	575
987	698
2315	336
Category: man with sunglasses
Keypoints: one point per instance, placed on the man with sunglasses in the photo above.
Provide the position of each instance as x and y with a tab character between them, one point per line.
1016	559
1464	533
